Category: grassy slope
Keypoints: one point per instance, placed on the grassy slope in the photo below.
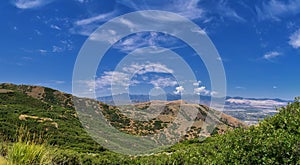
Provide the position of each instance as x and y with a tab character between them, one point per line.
275	140
66	133
45	103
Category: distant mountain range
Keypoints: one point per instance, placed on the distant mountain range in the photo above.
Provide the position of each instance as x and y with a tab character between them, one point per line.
249	110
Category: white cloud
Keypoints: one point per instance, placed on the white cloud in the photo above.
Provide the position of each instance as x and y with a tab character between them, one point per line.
38	32
240	87
108	79
163	82
257	103
57	49
223	9
30	4
201	90
42	51
55	27
51	83
179	90
275	9
113	78
200	31
197	83
87	26
105	35
146	68
143	39
122	78
295	39
99	18
82	1
275	87
219	59
189	9
128	23
64	45
59	81
214	93
271	55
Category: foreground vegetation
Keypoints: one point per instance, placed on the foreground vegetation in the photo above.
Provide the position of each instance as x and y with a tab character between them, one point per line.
275	140
35	140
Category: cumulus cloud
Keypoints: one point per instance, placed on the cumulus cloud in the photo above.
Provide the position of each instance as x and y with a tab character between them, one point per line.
113	78
179	90
123	77
163	82
214	93
197	83
295	39
201	90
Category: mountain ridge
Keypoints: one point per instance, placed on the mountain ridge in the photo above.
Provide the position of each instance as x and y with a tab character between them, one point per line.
275	140
54	98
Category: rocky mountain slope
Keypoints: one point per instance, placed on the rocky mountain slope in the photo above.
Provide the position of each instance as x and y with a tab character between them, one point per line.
52	113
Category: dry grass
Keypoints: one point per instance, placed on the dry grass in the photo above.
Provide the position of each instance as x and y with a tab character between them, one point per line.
3	161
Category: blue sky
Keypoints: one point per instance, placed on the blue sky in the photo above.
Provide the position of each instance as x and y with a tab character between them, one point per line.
258	41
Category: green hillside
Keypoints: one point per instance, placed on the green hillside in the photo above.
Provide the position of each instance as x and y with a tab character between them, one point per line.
55	124
44	120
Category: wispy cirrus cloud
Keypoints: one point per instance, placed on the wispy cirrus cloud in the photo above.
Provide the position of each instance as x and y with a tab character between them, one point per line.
276	10
87	26
82	1
295	39
189	9
225	11
61	46
31	4
146	68
193	9
240	87
271	55
97	19
55	27
153	39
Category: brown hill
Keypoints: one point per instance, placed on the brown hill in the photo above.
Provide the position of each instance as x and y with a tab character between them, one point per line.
142	118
